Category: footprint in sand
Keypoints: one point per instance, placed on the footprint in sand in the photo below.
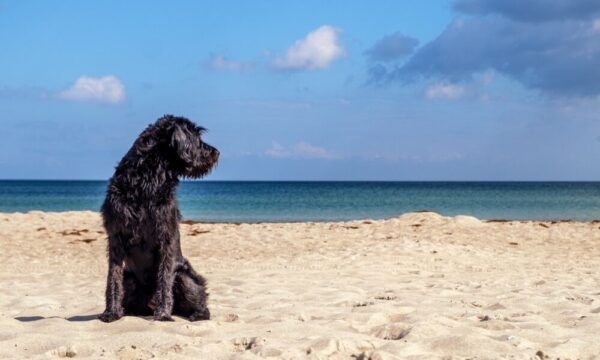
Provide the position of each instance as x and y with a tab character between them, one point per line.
70	351
390	331
247	343
362	303
580	299
65	352
231	317
133	352
266	351
496	306
371	355
328	347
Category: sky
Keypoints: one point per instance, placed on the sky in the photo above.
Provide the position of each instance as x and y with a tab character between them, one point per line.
307	90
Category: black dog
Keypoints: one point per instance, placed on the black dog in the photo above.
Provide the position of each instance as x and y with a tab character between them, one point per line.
147	274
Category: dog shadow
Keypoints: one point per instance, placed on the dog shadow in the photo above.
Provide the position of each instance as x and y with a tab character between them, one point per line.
76	318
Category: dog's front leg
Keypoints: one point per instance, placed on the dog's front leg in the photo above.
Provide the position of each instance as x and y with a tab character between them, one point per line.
163	298
114	284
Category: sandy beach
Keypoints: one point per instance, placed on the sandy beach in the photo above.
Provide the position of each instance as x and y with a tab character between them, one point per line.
418	286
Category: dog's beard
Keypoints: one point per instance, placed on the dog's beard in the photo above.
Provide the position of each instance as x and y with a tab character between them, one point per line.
197	172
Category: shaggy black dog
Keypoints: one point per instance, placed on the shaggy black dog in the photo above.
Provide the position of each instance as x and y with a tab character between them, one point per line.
147	274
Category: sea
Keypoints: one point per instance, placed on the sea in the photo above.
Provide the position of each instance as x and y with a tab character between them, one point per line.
282	201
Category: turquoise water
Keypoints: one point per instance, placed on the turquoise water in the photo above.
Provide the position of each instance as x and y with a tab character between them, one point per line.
322	201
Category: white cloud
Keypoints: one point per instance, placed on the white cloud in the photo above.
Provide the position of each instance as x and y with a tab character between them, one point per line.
300	150
277	150
220	62
316	51
309	150
107	89
596	25
444	91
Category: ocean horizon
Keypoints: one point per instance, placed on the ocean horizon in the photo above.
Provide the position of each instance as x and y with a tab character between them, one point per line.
289	201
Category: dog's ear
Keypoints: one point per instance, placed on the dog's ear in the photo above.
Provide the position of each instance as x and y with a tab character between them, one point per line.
180	142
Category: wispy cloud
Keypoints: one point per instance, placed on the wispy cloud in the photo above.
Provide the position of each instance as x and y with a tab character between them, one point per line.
220	62
299	150
392	47
444	91
317	50
107	89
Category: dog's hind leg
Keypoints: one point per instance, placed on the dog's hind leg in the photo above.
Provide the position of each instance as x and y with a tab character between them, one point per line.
190	295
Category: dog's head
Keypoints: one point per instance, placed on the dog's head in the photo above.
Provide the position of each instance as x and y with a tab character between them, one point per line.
190	156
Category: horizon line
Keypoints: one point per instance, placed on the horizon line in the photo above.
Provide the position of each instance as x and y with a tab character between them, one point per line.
313	180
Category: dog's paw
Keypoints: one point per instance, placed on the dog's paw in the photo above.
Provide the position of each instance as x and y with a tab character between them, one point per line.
161	316
200	315
108	316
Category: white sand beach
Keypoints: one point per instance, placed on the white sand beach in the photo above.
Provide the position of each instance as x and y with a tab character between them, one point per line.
418	286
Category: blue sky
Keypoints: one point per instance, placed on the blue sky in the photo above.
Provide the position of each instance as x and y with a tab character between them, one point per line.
310	90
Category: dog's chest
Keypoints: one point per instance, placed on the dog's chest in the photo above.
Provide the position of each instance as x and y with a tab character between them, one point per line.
141	257
142	243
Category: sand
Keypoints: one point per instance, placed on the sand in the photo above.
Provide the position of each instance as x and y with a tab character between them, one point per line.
418	286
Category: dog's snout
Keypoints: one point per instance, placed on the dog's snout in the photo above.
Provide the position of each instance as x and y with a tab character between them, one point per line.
213	153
